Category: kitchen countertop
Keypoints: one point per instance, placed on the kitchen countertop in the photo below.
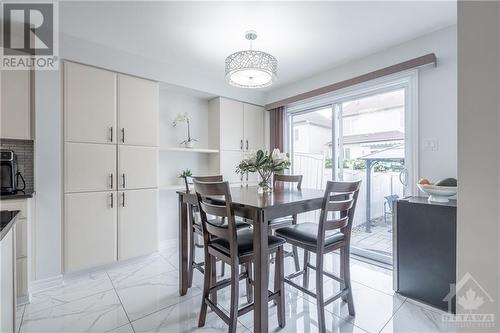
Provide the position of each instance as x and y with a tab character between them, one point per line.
19	195
7	221
423	200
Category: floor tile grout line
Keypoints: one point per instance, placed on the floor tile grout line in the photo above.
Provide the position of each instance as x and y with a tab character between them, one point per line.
22	319
393	314
121	303
164	308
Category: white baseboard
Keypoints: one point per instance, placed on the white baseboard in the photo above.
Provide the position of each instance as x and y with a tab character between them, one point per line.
43	284
167	243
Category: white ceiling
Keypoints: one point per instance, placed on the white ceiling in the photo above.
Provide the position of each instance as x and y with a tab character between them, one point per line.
306	38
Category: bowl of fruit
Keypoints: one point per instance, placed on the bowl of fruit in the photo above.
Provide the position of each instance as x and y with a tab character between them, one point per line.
441	191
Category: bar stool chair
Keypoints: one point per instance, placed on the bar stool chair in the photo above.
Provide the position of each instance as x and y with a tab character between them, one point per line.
332	233
280	180
234	247
195	227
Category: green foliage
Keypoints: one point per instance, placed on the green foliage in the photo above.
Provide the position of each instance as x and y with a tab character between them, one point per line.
186	173
264	163
328	163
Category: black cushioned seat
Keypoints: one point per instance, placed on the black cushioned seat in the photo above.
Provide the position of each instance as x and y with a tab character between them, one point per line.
245	243
307	233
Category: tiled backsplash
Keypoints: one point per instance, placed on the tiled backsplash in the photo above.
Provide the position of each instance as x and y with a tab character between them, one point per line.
25	157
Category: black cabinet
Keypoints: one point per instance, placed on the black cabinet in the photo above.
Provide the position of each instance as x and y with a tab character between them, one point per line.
425	237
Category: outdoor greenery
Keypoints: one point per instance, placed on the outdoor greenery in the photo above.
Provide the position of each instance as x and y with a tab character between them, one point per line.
357	164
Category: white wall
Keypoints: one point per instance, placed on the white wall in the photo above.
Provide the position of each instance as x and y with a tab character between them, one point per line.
478	229
437	94
172	102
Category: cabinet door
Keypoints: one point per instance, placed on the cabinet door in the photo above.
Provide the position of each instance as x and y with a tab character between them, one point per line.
7	304
138	223
89	167
15	105
89	230
89	104
138	167
253	127
229	160
231	125
138	111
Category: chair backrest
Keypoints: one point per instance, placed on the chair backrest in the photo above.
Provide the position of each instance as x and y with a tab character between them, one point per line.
288	179
217	178
214	199
339	200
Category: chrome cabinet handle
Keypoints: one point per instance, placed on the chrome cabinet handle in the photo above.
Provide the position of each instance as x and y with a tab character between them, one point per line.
241	144
247	144
111	134
111	178
123	180
112	200
123	135
123	199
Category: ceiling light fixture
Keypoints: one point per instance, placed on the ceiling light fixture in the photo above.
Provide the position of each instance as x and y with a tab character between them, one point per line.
251	68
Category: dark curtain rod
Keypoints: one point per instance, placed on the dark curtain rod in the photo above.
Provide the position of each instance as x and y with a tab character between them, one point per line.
402	66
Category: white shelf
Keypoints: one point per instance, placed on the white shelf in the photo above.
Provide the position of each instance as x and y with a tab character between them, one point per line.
190	150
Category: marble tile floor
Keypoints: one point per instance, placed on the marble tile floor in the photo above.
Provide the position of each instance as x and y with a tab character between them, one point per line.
141	296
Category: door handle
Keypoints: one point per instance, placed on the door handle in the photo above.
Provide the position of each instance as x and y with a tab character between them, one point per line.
123	199
403	177
111	178
123	135
111	134
247	144
123	180
112	201
241	144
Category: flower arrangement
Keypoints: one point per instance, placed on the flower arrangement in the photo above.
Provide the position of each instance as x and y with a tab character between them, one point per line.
184	118
266	164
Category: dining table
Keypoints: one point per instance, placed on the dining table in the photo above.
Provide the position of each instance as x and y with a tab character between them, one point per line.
258	209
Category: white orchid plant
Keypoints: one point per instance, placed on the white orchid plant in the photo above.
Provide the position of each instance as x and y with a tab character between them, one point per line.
184	118
266	164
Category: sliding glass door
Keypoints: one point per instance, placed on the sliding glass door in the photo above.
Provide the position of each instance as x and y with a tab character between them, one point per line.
360	137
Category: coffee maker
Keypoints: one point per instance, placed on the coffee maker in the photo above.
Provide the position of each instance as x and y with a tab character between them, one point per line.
9	175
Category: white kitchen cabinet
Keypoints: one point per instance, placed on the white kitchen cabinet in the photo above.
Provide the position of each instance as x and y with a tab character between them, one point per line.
90	230
89	167
229	160
231	124
137	223
15	105
23	247
253	127
7	301
137	111
89	104
137	167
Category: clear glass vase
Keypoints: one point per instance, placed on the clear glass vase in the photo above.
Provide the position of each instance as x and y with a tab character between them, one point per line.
265	185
